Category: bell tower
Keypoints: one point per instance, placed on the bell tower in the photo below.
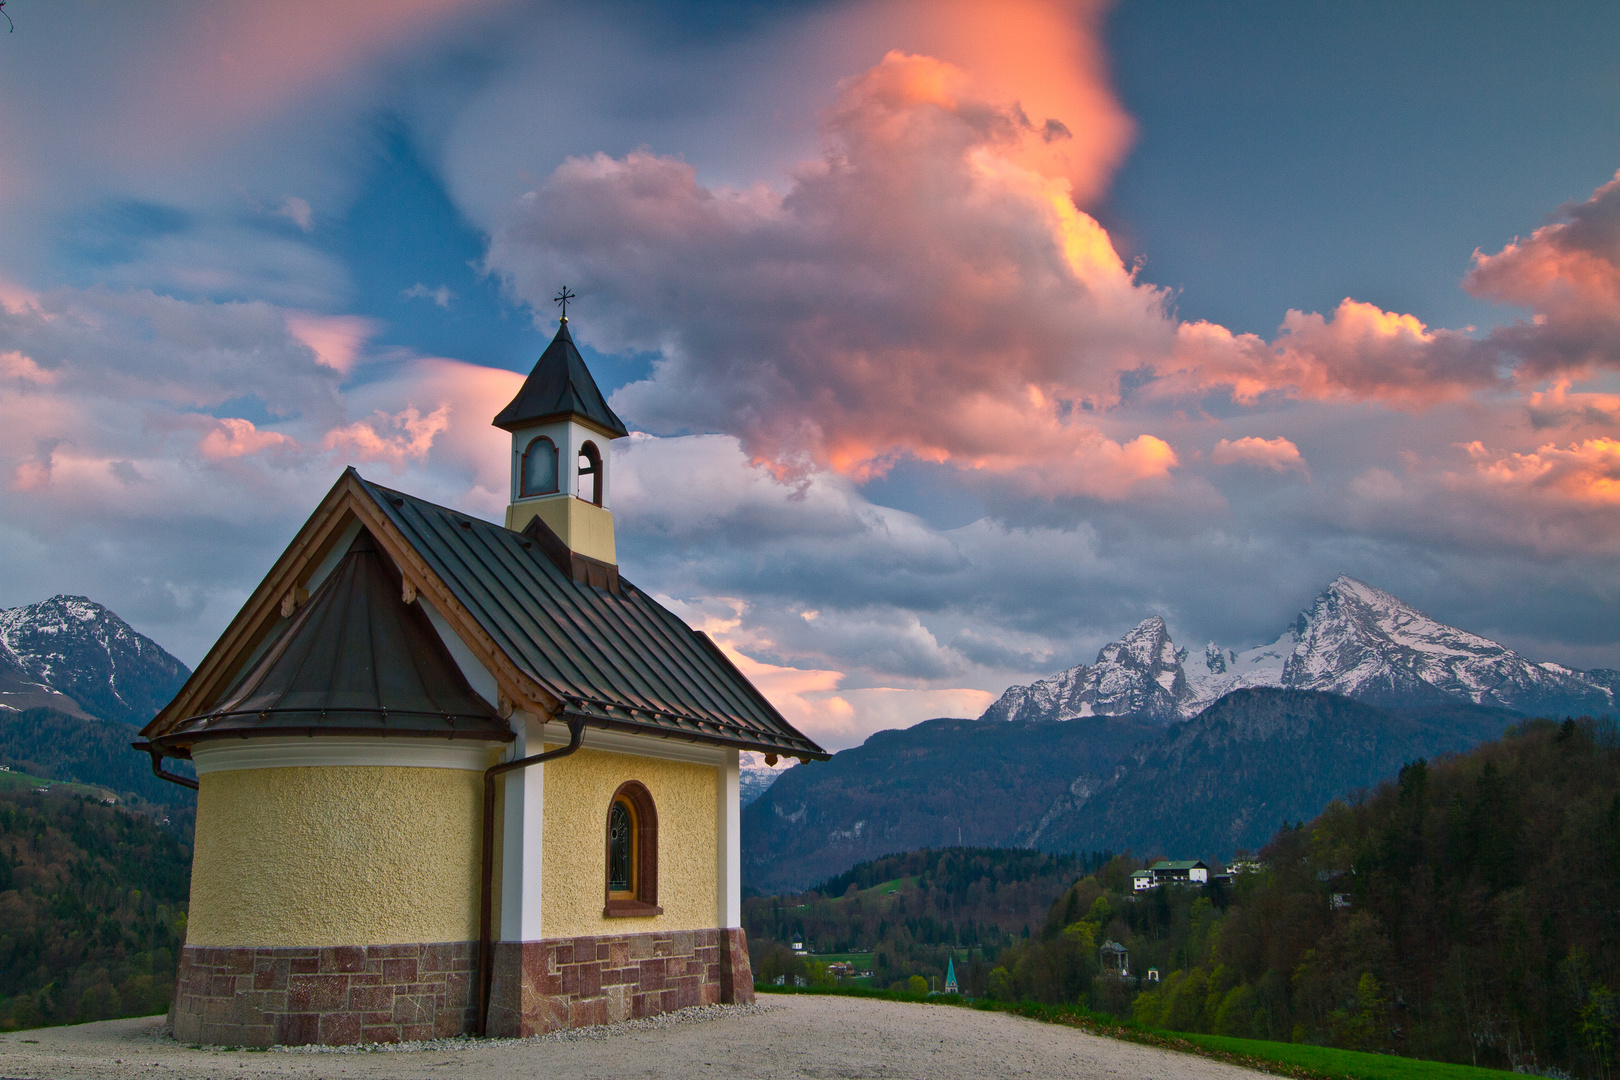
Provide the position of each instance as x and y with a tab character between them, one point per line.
561	426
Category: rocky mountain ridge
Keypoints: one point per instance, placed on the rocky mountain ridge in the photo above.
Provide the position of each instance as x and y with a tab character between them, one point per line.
1355	640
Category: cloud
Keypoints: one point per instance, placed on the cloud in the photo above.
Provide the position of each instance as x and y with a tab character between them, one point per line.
298	212
1278	454
1568	274
14	365
113	411
1584	472
1359	353
335	340
392	440
233	437
1045	56
816	700
142	346
440	296
1558	406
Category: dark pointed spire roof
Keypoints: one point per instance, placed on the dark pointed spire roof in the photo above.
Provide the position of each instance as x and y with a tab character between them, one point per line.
355	660
560	386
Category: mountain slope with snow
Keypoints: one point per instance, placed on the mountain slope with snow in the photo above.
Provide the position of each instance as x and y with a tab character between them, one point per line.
71	654
1355	640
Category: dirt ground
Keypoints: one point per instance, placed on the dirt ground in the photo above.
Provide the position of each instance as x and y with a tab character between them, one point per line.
819	1037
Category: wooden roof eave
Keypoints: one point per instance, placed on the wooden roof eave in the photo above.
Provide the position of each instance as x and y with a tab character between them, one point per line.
347	500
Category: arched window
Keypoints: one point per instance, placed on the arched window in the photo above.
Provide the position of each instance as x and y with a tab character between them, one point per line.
590	464
539	468
632	853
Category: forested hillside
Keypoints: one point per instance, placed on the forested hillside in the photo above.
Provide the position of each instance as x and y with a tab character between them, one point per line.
910	911
1227	778
58	746
92	910
1465	911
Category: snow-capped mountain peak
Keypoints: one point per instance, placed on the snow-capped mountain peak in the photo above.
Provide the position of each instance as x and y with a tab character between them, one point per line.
1361	641
1140	674
1355	639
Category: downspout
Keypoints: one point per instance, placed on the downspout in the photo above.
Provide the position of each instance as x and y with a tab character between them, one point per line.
486	949
157	765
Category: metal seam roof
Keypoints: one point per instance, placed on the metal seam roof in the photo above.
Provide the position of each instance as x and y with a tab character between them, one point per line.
623	657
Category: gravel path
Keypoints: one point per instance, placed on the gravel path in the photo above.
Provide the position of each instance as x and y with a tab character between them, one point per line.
821	1037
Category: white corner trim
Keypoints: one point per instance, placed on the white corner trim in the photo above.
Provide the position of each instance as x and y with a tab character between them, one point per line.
304	751
622	742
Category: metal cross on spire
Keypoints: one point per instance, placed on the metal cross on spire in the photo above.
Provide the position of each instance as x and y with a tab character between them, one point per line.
562	298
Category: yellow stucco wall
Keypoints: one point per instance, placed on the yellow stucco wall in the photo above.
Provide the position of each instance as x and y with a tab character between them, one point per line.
578	789
583	526
336	855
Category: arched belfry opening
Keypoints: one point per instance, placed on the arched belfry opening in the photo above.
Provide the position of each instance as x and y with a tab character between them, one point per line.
561	423
590	473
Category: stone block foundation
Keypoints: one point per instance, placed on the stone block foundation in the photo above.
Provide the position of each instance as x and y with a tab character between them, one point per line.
335	996
343	995
546	985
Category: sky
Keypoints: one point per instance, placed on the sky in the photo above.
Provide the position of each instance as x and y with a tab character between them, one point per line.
955	338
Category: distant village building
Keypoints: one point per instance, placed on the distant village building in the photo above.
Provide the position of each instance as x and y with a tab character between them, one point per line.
1152	974
1189	872
460	777
1142	881
950	976
1115	960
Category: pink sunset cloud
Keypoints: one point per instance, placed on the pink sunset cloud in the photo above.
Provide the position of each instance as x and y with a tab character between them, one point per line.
1045	56
1568	274
234	437
1585	472
334	339
392	440
1278	455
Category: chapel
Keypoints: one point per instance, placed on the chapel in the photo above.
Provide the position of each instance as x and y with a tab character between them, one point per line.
456	777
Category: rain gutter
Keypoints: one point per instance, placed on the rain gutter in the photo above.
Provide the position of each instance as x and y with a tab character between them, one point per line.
157	766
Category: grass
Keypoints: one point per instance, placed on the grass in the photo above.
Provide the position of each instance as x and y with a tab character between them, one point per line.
19	781
1332	1062
1297	1060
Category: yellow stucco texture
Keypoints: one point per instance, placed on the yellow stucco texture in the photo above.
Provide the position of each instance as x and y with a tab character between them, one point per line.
336	855
578	790
583	526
